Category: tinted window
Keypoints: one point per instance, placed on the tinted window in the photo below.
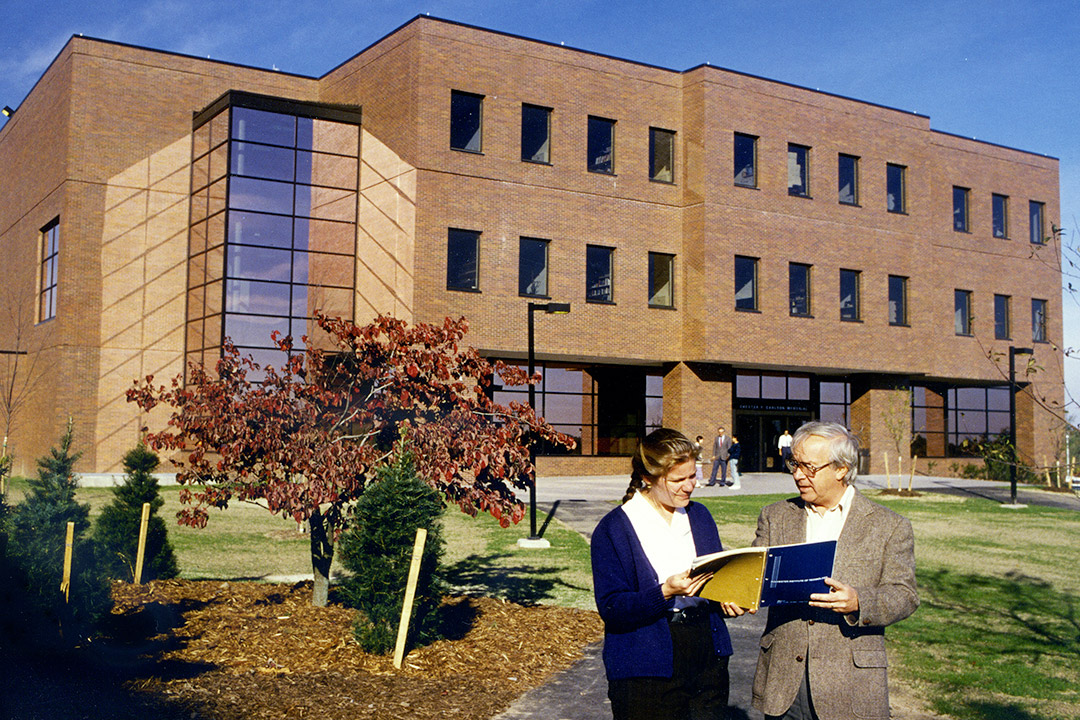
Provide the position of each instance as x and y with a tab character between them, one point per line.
535	134
745	283
466	118
601	145
745	160
462	260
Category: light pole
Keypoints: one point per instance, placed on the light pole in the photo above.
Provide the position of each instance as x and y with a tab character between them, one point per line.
551	309
1013	352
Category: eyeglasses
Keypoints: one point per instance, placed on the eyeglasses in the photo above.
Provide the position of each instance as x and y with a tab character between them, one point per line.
808	470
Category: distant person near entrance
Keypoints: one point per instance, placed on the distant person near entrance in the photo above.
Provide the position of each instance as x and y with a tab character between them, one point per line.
734	453
720	447
783	446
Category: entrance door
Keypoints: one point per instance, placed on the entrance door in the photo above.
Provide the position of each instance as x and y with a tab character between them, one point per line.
758	433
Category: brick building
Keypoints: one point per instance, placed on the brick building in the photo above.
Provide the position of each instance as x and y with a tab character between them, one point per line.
736	251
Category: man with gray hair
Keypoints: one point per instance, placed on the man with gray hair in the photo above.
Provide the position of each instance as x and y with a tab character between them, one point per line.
826	660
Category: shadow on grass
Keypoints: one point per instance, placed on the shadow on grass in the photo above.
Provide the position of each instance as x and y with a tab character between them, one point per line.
978	638
523	584
1035	619
99	679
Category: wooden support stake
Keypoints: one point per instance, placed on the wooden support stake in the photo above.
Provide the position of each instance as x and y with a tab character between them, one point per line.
888	478
911	477
410	595
69	542
141	552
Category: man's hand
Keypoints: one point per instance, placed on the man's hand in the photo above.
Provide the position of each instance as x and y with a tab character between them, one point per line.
842	598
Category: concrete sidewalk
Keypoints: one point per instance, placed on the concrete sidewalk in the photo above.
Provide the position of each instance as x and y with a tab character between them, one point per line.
580	692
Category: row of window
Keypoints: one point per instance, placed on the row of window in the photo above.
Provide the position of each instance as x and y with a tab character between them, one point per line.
999	215
463	269
799	296
466	134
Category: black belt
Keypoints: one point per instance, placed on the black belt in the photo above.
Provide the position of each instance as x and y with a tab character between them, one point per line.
692	614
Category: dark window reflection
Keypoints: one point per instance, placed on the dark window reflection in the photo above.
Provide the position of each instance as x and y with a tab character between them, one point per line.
262	126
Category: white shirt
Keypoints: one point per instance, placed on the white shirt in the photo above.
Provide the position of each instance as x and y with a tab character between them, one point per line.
829	525
669	548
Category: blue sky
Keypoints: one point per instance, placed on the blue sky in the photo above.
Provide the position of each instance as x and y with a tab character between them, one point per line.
996	70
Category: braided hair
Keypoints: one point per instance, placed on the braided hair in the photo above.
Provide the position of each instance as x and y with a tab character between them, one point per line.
660	451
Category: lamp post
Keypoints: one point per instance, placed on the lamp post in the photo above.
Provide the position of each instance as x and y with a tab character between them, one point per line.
551	309
1013	352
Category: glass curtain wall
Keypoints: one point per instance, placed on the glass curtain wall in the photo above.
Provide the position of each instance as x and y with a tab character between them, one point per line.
273	223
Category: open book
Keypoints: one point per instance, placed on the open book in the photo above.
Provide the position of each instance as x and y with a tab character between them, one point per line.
756	577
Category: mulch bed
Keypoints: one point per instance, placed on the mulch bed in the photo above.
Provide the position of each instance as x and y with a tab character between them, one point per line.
231	650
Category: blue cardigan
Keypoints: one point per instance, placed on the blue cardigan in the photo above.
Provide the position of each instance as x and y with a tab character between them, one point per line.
637	642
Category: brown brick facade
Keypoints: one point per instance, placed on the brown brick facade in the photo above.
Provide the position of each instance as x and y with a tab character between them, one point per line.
104	142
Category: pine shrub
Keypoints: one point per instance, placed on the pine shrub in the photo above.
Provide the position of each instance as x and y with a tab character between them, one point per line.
377	548
117	528
38	530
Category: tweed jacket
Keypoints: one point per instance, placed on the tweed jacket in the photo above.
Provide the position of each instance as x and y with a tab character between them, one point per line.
637	641
844	654
720	447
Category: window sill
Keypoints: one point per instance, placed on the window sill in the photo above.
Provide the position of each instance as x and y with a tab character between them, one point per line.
467	151
849	204
450	288
748	310
662	182
661	307
900	325
746	186
851	320
545	163
804	196
534	297
599	302
896	212
801	315
609	173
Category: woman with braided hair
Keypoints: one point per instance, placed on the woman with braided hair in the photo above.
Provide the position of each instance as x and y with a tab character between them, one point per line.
665	651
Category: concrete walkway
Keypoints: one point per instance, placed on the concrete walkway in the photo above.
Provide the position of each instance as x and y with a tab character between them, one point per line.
580	692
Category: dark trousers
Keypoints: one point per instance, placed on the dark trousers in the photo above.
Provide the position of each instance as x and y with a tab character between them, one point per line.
697	689
718	464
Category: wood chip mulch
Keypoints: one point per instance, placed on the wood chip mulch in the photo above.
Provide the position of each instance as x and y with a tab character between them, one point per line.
231	650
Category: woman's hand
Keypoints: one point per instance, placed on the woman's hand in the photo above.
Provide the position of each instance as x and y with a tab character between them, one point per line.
683	584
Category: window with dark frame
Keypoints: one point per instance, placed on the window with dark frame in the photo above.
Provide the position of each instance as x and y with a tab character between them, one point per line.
1038	320
799	289
661	280
50	257
847	172
960	208
798	170
849	295
599	278
895	190
999	213
1002	317
745	149
898	310
535	134
466	121
462	260
533	267
962	311
661	155
272	236
1035	212
746	295
601	145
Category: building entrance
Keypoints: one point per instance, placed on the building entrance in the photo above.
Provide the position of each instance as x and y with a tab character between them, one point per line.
758	433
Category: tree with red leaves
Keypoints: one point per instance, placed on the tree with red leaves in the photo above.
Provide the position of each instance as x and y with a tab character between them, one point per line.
305	439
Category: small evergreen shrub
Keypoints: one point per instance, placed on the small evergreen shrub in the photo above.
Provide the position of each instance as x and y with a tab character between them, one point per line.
377	548
117	528
37	534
